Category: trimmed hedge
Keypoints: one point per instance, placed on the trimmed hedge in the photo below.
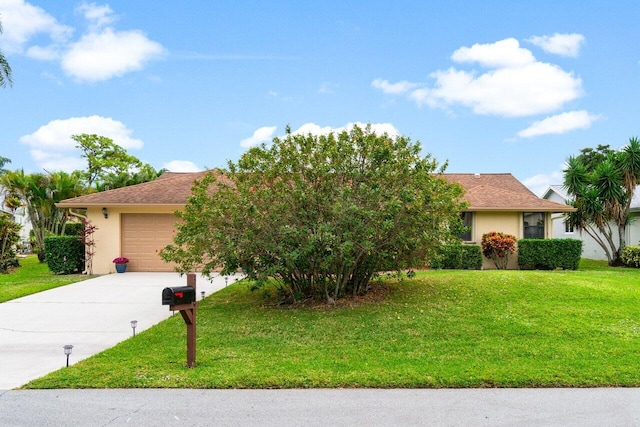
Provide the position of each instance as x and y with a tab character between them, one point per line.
73	229
64	254
549	254
459	257
631	256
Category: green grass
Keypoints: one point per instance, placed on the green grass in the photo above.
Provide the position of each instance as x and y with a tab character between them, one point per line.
32	277
441	329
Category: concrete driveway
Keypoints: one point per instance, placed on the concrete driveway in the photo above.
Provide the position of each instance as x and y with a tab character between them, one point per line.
92	315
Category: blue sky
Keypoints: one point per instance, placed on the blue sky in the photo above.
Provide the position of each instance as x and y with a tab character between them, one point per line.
489	86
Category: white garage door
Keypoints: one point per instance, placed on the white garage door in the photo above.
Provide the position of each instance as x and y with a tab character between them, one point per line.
143	236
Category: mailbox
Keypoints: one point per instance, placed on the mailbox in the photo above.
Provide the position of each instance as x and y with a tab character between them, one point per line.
178	295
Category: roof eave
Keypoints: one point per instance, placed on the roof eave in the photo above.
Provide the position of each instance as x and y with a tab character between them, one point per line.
520	209
116	205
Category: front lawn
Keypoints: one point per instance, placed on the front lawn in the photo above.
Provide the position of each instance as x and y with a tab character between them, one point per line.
32	277
441	329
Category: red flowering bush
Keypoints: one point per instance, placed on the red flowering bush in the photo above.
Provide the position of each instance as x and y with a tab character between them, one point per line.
498	246
121	260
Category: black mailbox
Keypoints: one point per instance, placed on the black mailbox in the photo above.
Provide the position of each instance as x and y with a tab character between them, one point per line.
178	295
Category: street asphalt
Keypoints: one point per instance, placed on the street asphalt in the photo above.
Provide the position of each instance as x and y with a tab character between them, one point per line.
95	314
321	407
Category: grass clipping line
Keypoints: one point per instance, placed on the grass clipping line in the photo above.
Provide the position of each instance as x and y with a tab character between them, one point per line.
441	329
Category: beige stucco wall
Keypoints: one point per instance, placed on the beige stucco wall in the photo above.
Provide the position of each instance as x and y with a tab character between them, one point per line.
107	235
505	222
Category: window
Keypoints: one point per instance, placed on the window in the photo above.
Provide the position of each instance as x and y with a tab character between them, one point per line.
533	225
467	220
568	228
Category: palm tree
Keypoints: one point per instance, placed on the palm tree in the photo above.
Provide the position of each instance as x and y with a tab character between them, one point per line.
602	183
40	193
5	68
3	161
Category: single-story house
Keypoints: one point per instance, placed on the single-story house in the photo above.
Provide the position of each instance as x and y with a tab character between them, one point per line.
138	221
499	202
591	249
135	222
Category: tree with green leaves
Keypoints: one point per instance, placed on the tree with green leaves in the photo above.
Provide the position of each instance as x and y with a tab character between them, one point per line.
109	166
5	68
3	192
145	173
9	237
319	216
602	183
39	193
9	229
3	162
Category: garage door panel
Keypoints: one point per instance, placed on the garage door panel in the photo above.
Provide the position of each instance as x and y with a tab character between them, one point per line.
143	236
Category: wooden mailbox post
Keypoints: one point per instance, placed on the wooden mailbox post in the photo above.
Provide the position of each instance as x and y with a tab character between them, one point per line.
183	298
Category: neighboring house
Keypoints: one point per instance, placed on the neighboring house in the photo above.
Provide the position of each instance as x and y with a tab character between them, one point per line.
499	202
138	221
591	249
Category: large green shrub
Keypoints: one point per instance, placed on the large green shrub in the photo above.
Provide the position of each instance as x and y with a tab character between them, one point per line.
459	257
64	254
631	256
319	215
549	254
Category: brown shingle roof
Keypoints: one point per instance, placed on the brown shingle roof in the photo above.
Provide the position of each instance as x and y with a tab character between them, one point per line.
488	192
501	192
171	188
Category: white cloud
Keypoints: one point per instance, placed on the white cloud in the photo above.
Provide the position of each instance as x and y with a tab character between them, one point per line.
98	16
559	124
264	134
515	85
511	92
503	53
48	53
560	44
538	184
57	133
393	88
52	146
314	129
55	161
377	128
101	56
22	21
181	166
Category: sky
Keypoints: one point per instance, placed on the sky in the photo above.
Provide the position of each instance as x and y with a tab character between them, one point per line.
484	86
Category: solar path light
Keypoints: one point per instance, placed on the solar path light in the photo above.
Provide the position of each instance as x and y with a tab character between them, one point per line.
134	323
67	352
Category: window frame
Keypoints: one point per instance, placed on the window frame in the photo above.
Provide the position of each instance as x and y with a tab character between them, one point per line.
536	231
568	229
467	219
